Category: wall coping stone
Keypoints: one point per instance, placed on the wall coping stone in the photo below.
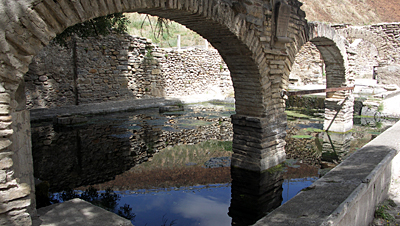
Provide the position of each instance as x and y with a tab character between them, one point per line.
100	108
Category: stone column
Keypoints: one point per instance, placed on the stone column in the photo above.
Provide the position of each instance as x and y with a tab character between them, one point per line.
339	113
335	146
17	203
258	143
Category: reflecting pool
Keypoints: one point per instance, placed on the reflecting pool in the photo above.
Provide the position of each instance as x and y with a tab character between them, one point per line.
174	168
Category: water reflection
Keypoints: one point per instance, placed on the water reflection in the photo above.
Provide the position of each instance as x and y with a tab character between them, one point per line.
254	194
175	184
73	156
197	205
207	211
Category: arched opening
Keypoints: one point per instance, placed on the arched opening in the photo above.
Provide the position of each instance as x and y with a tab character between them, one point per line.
322	64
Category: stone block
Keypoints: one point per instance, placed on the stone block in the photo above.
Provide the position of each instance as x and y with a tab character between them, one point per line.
22	190
5	163
17	204
4	109
4	143
4	98
155	71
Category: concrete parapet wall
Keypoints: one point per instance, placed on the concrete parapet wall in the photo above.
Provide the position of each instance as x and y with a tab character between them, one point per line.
348	194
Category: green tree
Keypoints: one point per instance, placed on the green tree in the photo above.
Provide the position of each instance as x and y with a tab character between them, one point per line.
99	26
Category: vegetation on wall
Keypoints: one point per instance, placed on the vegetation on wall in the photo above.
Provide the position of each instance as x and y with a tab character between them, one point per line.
162	31
116	22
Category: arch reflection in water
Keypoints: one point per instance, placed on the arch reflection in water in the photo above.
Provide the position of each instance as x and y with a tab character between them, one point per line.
254	194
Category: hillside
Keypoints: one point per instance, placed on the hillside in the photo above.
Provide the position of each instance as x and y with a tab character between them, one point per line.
356	12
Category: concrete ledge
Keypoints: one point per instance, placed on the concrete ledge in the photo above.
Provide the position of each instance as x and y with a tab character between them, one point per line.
348	194
77	212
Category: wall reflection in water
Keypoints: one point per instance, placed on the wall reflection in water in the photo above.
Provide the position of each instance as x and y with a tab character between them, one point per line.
92	153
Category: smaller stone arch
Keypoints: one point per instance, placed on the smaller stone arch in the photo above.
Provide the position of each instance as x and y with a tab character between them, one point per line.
333	49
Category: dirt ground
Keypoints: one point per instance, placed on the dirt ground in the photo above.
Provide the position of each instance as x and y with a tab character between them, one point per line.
355	12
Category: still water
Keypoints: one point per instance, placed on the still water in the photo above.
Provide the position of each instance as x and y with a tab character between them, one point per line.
171	168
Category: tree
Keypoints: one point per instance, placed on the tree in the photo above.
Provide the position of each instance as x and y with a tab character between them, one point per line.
95	27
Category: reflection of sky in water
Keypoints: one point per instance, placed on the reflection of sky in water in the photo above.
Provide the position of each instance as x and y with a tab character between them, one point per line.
292	187
199	205
196	206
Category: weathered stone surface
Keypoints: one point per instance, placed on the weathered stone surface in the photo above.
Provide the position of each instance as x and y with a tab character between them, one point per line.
17	204
5	163
15	192
4	143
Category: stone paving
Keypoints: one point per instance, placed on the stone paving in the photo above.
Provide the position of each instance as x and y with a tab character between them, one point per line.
78	213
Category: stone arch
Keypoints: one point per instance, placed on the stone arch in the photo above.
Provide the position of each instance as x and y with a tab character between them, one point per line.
381	44
339	104
246	35
333	49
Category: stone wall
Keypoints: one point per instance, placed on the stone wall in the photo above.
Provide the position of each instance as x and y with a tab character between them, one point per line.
308	67
119	67
374	50
196	72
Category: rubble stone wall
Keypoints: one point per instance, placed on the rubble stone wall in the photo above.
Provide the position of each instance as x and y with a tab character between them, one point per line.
119	67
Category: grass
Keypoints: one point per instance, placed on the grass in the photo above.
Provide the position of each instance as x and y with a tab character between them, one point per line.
382	210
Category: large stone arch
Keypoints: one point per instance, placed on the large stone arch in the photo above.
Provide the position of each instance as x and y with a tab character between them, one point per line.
247	35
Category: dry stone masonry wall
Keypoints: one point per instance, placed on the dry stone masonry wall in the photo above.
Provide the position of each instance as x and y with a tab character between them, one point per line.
119	67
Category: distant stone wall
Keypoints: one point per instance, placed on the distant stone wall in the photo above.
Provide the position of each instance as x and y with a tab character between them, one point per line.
308	67
375	50
120	67
196	72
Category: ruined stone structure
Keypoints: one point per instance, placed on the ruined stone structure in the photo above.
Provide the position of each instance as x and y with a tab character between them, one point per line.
120	67
379	46
258	41
373	53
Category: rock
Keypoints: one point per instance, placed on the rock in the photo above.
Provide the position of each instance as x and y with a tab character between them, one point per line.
171	108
